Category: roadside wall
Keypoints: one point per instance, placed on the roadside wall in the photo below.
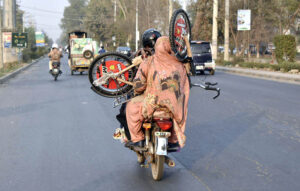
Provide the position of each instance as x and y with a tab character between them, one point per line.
10	55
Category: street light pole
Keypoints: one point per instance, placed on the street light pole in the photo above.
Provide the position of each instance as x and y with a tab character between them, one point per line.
170	9
226	40
1	43
136	26
215	31
115	11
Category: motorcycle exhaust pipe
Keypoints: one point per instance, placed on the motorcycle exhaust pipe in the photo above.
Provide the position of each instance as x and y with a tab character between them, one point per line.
169	162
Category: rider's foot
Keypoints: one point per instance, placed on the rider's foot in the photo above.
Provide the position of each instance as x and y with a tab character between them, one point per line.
173	147
136	144
60	72
117	134
140	158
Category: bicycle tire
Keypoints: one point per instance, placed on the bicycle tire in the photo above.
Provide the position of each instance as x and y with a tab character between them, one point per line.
181	56
101	90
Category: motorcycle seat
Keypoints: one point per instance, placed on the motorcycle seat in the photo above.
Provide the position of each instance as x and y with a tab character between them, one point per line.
162	114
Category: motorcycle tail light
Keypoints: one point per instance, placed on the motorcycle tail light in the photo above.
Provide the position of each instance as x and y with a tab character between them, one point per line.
147	125
164	125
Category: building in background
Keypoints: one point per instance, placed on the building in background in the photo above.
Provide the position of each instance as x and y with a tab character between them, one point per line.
8	53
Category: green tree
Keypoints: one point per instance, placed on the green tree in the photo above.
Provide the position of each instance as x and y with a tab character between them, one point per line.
268	18
284	13
103	25
201	17
73	18
33	52
99	20
19	18
285	47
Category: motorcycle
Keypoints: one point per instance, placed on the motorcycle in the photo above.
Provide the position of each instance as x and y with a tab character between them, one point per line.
156	148
55	72
112	74
157	131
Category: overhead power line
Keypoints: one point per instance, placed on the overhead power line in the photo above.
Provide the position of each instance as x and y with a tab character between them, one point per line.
50	11
44	10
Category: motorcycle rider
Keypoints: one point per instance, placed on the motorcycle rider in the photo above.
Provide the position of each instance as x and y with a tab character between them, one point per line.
54	56
163	83
149	39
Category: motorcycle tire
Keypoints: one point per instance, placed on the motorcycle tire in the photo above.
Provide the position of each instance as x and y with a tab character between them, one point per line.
179	24
157	166
117	60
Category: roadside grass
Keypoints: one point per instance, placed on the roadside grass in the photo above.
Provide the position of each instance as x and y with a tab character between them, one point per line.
239	62
10	67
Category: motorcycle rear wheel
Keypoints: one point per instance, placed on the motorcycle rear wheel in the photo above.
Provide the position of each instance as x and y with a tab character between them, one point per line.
157	166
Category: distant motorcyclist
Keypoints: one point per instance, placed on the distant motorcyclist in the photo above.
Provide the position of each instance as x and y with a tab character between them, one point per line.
55	55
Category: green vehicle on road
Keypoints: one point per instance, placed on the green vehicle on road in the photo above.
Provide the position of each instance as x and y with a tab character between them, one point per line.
82	51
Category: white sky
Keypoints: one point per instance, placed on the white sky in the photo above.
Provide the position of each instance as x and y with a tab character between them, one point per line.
47	20
183	2
47	14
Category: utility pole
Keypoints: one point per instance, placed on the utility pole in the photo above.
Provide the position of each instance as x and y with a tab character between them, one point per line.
9	25
226	37
9	12
1	43
115	11
170	9
246	34
249	53
215	31
137	35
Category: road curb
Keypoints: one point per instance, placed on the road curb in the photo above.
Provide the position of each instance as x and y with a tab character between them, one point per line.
16	72
262	74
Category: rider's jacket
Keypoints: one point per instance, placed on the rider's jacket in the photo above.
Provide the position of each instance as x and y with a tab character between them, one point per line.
55	55
164	83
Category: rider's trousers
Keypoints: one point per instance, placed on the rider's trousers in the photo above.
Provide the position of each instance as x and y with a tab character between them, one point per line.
135	120
50	65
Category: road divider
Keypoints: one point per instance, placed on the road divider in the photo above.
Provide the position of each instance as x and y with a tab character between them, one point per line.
277	76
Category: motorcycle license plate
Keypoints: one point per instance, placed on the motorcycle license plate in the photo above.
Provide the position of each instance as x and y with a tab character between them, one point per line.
161	148
163	134
199	67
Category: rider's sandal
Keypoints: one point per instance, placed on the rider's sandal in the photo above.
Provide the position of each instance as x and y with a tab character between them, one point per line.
118	134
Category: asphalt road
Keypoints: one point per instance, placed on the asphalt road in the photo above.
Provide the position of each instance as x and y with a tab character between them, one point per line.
57	136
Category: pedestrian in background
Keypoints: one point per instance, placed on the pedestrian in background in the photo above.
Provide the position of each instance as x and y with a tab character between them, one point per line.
102	50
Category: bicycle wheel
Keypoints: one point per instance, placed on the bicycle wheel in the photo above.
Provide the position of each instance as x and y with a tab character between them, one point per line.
111	62
179	27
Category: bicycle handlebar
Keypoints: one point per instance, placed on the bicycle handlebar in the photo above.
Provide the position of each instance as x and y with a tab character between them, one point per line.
214	89
207	86
211	84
